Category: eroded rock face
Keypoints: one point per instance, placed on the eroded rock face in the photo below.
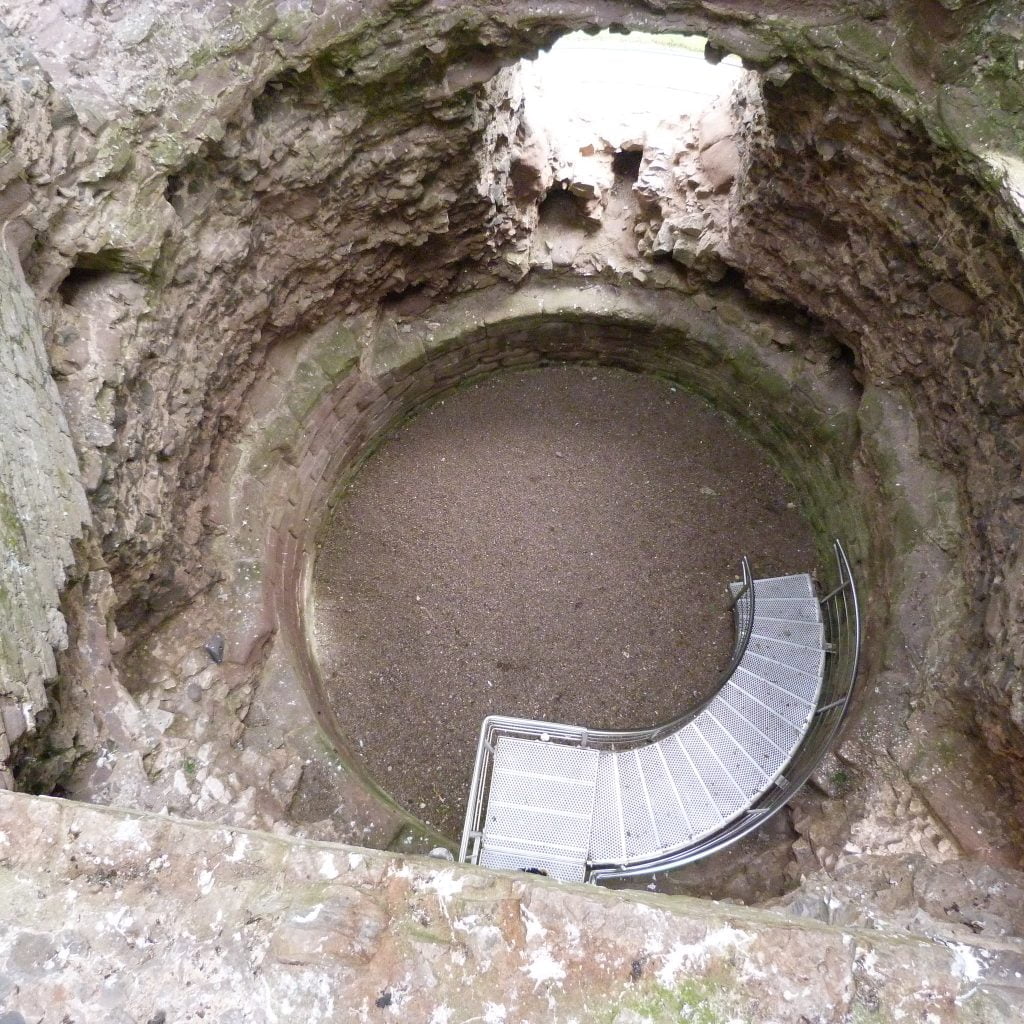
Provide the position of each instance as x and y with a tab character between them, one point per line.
257	169
922	281
42	511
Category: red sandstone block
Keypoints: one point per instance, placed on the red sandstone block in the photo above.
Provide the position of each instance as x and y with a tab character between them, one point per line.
313	468
448	361
322	416
343	389
289	553
266	396
399	388
423	387
365	395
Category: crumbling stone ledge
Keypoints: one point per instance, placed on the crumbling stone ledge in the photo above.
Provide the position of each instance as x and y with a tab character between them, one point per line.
121	916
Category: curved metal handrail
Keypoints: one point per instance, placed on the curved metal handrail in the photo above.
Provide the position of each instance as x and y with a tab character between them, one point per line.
742	606
841	614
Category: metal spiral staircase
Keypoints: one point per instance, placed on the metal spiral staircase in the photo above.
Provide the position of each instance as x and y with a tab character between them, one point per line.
581	804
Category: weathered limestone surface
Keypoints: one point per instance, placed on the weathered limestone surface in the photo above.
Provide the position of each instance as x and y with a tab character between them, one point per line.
141	918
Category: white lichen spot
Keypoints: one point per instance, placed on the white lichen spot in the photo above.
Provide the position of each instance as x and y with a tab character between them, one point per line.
311	916
118	920
205	882
355	860
441	1015
544	967
688	956
268	1003
445	884
328	869
868	964
534	929
130	831
968	962
494	1013
238	850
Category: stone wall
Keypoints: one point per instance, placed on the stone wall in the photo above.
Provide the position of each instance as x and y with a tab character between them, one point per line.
187	190
218	177
922	281
266	929
241	740
194	191
42	512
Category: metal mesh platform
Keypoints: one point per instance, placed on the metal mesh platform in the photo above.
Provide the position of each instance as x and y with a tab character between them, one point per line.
576	803
540	807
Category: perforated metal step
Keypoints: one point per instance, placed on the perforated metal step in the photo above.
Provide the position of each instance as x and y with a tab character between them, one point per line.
776	701
800	684
745	753
702	810
799	609
607	838
774	718
672	808
728	797
639	819
783	586
809	634
795	656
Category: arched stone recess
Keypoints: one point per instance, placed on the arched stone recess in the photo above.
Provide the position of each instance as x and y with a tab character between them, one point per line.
852	455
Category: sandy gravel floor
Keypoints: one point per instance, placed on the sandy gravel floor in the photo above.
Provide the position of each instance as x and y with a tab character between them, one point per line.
553	543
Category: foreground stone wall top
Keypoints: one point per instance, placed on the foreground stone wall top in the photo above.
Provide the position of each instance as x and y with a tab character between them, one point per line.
116	916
